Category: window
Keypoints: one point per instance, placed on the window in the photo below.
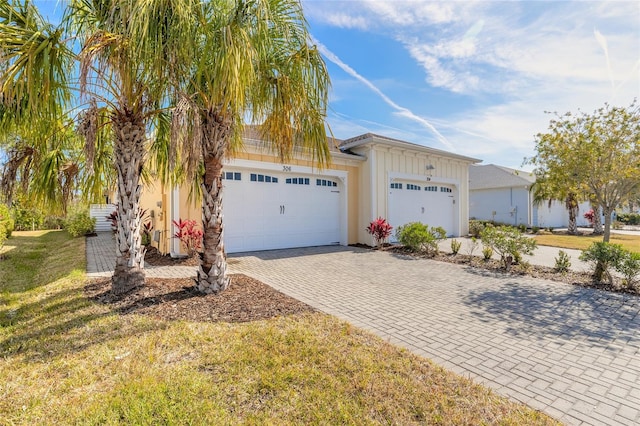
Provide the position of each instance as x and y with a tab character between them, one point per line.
232	176
395	185
443	189
297	181
255	177
325	182
431	188
413	187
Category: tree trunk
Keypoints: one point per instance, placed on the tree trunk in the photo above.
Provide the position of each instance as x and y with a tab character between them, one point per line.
212	272
607	223
572	206
597	220
129	134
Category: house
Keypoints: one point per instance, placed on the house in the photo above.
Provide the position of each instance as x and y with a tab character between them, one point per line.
504	195
270	205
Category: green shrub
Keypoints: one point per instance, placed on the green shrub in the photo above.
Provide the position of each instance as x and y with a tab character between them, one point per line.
563	262
508	243
28	219
535	230
455	246
602	256
629	218
3	236
522	228
53	222
629	266
80	223
487	252
420	237
617	225
6	220
475	228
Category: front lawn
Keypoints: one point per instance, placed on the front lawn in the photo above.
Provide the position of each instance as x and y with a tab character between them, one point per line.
65	359
581	242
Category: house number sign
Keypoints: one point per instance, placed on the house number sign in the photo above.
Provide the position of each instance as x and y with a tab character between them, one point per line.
286	168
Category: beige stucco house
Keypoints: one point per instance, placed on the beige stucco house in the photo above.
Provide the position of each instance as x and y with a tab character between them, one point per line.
270	205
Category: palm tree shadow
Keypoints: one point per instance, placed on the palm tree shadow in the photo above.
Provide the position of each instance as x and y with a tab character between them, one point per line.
596	317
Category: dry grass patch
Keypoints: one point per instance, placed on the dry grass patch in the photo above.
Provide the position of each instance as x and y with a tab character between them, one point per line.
66	359
581	242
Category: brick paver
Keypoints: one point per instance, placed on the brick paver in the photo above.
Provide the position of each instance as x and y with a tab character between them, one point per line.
571	352
568	351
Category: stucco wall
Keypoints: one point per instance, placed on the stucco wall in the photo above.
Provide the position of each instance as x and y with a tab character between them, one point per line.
557	215
504	205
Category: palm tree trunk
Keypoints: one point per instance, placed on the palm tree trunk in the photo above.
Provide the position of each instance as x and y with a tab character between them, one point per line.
129	153
572	206
212	272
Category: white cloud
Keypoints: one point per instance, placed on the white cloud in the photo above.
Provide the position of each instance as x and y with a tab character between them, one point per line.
400	110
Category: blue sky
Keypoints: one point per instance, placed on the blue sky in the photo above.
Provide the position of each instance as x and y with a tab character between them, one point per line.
471	77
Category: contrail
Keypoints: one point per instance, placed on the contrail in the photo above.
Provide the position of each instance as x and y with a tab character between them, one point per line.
401	110
602	41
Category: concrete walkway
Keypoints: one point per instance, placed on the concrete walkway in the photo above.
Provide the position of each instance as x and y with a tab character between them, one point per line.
571	352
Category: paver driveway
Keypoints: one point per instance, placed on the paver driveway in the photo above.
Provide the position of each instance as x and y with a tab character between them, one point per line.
573	353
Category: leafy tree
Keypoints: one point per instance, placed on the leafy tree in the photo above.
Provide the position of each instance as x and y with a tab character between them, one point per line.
596	154
254	60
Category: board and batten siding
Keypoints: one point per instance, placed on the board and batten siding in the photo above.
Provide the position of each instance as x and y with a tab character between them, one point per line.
385	162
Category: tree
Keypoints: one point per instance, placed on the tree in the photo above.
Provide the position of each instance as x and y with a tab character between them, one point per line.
548	188
129	51
254	60
597	154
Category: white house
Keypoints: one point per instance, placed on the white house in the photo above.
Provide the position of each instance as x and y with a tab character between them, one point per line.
504	195
270	205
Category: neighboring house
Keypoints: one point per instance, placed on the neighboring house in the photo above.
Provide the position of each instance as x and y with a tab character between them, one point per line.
270	205
504	195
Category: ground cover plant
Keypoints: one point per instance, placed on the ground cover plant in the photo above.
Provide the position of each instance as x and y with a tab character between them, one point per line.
67	357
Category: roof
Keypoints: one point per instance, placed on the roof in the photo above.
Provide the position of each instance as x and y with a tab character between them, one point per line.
369	138
490	176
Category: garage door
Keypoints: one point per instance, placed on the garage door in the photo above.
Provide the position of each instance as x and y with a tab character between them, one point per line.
432	204
267	210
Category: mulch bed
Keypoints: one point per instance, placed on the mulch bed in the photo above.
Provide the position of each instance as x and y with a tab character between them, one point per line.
246	299
155	258
495	266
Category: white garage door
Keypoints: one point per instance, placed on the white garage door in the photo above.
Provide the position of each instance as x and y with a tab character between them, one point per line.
267	210
432	204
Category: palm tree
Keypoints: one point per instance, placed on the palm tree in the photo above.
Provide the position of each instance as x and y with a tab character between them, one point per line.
255	60
128	52
546	190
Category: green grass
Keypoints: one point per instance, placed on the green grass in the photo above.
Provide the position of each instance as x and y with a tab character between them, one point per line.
66	360
581	242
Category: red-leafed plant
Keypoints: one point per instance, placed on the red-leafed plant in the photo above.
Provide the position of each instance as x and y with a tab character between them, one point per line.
590	216
189	235
380	230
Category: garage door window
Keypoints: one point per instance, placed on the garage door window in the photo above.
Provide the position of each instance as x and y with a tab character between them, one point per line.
325	182
396	186
444	189
263	178
232	176
431	188
413	187
297	181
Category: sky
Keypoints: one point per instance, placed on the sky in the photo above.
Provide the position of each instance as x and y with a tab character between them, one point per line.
471	77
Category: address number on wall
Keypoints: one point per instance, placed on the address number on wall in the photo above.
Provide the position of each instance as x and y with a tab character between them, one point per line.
286	168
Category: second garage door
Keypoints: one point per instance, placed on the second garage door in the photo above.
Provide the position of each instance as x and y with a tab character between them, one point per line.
431	204
266	210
